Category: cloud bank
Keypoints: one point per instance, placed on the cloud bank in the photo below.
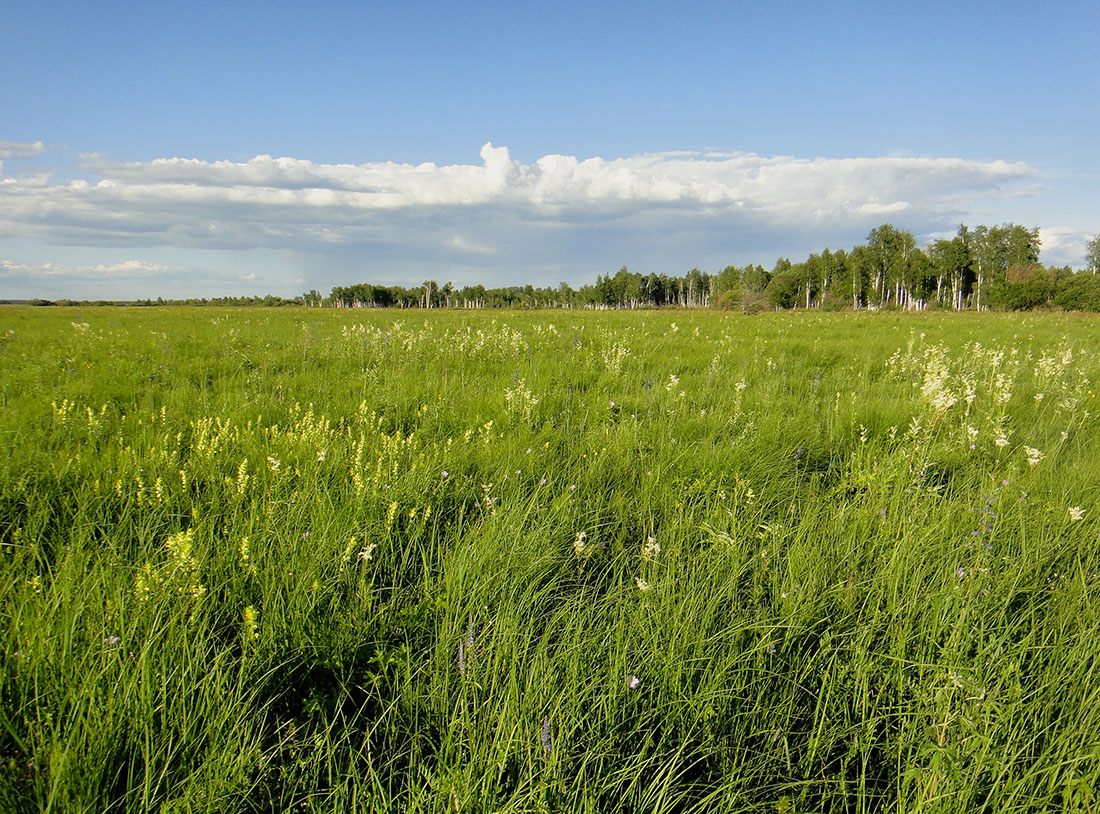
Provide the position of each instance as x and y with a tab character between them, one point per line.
272	201
557	212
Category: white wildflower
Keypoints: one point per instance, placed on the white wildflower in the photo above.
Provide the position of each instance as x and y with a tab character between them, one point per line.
970	393
579	545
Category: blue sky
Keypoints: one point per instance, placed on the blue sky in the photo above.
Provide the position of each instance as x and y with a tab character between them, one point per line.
201	149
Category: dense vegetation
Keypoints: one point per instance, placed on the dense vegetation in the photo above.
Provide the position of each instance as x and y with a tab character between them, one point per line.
987	267
330	560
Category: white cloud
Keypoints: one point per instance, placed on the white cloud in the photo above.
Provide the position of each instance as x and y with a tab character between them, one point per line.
130	269
492	220
187	202
464	244
1065	244
18	149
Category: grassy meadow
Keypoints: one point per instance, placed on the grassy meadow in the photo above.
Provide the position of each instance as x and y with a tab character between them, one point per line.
381	561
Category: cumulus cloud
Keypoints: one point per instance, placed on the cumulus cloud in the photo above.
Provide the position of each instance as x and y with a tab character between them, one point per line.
288	201
1066	244
499	216
130	269
17	149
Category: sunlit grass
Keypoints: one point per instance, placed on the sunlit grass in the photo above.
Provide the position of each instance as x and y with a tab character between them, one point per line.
557	561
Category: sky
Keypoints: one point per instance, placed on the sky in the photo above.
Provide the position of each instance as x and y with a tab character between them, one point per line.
209	149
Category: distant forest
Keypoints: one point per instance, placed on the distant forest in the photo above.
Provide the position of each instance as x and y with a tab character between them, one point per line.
988	267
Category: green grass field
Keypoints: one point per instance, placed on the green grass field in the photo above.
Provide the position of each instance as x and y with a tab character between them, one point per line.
306	560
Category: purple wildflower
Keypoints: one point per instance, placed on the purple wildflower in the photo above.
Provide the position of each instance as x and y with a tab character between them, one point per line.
544	735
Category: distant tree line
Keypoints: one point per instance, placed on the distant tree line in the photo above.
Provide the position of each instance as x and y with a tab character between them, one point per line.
623	290
985	267
266	301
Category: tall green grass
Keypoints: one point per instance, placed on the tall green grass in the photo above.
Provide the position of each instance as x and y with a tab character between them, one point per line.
651	562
